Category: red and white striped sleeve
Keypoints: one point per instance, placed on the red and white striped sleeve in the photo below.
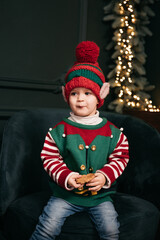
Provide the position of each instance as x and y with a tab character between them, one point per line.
117	161
53	162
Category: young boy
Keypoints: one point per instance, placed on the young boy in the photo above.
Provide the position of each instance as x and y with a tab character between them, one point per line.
79	145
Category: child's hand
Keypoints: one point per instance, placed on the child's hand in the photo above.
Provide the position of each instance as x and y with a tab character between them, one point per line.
96	183
72	181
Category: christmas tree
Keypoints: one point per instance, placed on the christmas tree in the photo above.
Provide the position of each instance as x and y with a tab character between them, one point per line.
127	75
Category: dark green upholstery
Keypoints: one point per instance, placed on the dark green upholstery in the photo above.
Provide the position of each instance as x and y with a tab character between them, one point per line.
24	186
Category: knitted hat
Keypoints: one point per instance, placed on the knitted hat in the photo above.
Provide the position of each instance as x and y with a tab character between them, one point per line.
86	71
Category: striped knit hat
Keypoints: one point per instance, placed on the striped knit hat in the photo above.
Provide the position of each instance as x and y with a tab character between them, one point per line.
86	71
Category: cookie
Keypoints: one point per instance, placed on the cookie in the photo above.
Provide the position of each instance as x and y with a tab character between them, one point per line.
85	178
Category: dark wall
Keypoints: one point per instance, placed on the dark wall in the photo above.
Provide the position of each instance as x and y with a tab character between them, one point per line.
37	42
152	47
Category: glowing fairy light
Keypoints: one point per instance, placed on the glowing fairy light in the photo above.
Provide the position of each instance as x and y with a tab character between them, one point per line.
125	37
125	33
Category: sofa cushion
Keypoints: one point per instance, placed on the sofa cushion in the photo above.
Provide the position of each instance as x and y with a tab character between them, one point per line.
135	215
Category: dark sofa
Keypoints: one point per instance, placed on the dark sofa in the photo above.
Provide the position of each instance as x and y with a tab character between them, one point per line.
24	186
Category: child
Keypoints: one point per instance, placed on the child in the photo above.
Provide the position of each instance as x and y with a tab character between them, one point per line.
81	144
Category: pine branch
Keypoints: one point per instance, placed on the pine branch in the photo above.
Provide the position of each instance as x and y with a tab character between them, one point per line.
129	20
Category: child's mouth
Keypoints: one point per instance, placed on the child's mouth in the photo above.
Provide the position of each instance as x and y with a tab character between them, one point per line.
80	106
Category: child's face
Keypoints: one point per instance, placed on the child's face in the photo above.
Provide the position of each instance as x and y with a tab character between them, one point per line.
83	102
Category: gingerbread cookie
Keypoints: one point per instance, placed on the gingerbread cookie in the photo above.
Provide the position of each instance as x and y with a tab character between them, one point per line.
85	178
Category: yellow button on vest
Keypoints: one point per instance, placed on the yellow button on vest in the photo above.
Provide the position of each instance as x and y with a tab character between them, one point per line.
93	148
81	147
82	167
91	169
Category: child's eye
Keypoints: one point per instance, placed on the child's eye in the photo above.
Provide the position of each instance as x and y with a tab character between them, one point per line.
88	93
73	93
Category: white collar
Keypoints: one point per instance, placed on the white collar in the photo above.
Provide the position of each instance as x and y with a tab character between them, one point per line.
90	120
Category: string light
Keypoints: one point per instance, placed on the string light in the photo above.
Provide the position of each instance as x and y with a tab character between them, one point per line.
125	36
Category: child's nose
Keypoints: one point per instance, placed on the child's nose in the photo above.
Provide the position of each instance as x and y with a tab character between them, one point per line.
80	97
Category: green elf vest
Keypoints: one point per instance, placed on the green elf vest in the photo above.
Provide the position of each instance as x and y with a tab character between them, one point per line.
85	149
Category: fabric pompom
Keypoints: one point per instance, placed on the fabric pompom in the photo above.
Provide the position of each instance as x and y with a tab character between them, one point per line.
87	52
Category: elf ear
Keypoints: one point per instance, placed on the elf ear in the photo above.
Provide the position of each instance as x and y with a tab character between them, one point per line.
104	90
63	93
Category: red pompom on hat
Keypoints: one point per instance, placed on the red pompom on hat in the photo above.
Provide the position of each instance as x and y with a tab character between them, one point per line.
86	71
87	52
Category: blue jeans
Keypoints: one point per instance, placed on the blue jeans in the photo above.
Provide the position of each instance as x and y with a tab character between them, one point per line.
57	210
